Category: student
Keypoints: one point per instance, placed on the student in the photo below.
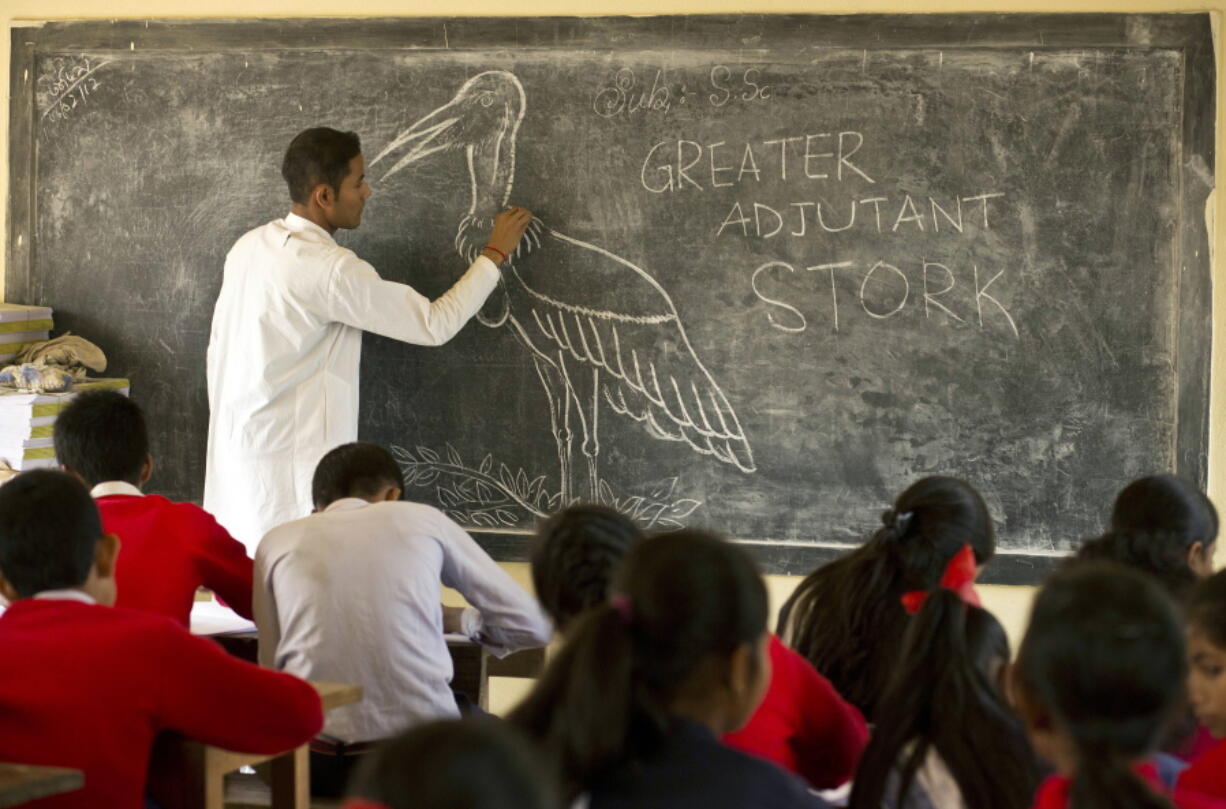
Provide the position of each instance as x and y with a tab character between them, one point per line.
286	338
169	549
1164	526
802	724
87	686
351	594
1099	672
472	763
631	709
1206	613
574	555
946	738
846	617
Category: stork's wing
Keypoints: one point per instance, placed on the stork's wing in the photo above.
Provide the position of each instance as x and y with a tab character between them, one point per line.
650	371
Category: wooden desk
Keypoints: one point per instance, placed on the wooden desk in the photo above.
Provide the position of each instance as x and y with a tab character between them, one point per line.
473	665
20	783
189	775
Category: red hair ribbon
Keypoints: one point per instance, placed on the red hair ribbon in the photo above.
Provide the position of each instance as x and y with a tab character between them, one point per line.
363	803
959	576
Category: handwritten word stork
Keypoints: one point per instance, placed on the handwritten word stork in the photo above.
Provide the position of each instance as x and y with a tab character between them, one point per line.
598	327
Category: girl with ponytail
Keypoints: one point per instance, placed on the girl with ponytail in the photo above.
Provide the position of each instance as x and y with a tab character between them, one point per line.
946	738
631	708
1099	674
845	617
802	724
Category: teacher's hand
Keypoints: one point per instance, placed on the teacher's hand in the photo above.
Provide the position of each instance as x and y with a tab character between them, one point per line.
509	227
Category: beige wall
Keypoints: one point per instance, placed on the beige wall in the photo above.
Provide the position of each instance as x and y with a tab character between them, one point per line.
1009	603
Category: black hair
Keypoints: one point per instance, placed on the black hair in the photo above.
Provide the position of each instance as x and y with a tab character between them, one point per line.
1154	522
685	601
315	156
49	531
945	696
574	556
1206	608
358	469
1104	657
471	763
846	617
101	435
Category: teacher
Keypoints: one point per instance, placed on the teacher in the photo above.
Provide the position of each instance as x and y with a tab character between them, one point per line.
286	340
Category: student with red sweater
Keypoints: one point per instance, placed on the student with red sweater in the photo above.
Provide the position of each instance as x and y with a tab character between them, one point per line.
1206	613
88	686
802	724
1099	674
169	549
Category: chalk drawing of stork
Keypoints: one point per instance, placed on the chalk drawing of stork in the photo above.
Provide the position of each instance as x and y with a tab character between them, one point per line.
598	327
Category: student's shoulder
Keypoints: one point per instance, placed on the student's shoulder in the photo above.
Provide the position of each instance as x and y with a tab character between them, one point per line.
753	781
416	515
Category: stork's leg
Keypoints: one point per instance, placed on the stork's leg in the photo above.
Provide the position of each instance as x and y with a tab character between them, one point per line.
591	440
558	398
583	387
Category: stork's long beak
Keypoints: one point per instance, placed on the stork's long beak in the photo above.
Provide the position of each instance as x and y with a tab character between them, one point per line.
429	135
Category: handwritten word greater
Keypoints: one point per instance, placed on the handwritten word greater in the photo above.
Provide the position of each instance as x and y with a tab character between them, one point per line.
681	165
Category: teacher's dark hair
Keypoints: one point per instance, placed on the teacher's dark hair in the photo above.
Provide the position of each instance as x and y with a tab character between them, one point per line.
846	616
1154	524
359	469
945	696
574	555
315	156
1104	658
686	601
49	532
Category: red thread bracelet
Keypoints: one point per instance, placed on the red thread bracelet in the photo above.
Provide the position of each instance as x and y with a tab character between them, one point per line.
505	257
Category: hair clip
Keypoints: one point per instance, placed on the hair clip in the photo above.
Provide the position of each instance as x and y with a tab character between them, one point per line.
959	576
621	603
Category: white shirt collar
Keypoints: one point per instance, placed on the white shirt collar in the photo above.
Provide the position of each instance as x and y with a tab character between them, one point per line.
113	487
67	594
347	504
301	224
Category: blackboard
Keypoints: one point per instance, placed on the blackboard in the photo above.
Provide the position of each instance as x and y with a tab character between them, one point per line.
786	264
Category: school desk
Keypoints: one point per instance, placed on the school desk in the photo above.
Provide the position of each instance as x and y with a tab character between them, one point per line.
473	664
24	782
186	774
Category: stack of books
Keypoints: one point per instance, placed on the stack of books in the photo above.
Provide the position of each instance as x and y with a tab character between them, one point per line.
28	419
20	326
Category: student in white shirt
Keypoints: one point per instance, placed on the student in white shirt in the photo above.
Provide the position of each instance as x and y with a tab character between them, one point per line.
286	338
351	594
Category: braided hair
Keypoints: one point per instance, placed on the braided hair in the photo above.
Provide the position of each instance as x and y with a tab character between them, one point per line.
574	556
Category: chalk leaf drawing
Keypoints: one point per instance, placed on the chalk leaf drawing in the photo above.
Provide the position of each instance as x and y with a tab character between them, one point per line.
601	331
66	83
491	495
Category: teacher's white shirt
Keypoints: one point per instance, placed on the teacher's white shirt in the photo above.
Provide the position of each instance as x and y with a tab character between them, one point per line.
283	359
351	595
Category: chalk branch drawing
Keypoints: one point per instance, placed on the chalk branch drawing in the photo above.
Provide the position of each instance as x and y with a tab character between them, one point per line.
492	496
65	85
601	331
